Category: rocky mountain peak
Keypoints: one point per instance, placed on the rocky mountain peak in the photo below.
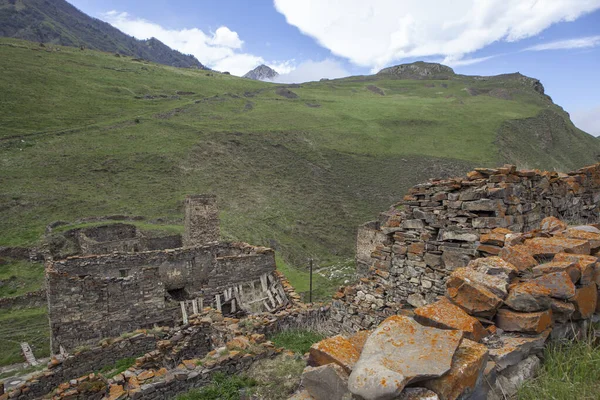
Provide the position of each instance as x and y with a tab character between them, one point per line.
262	73
419	70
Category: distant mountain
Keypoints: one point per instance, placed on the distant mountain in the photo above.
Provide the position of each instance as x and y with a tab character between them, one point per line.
262	73
58	22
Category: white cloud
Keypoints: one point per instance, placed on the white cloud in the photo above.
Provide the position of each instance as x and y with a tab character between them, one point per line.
577	43
451	62
313	71
588	120
219	50
376	33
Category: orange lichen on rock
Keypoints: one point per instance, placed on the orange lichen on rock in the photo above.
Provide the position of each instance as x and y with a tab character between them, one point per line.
336	349
541	246
513	321
518	256
586	265
592	237
528	296
569	267
445	315
585	301
358	340
552	224
468	363
559	283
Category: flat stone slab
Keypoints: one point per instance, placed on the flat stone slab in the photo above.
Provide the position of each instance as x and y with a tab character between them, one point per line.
444	315
518	256
336	349
464	376
534	322
569	267
510	349
401	351
550	246
585	301
327	382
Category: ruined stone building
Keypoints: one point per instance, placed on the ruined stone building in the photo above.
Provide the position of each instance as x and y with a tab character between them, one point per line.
121	283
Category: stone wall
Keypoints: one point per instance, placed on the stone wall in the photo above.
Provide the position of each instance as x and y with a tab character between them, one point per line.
443	224
201	220
102	296
27	300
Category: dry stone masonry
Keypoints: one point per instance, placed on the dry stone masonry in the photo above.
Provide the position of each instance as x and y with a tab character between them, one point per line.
408	254
96	296
483	337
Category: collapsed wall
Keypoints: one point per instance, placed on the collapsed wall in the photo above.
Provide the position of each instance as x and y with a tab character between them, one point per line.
441	225
102	296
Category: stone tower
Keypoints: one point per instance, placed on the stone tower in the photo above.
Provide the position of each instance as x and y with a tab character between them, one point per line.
201	220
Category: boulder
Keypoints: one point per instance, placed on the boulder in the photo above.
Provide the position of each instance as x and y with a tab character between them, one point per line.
518	256
327	382
569	267
509	349
534	322
559	283
445	315
586	265
393	356
552	224
473	298
508	382
496	237
548	247
464	376
528	296
585	301
336	349
562	311
358	340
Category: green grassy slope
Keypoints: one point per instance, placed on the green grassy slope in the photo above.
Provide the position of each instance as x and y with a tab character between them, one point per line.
85	133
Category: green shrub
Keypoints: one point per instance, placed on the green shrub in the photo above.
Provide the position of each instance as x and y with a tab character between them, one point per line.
297	340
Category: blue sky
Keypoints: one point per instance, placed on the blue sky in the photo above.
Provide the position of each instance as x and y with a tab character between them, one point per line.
556	41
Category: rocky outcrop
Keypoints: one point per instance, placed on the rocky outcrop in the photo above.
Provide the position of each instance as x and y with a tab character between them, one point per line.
418	70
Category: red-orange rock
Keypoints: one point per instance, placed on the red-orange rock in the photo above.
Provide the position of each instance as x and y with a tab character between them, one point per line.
569	267
528	297
493	266
559	283
445	315
116	392
468	363
552	224
562	311
518	256
592	237
495	238
416	248
358	340
547	247
513	321
586	265
489	249
585	301
472	297
145	375
336	349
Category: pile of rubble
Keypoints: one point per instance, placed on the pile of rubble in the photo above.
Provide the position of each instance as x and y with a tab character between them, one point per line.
480	340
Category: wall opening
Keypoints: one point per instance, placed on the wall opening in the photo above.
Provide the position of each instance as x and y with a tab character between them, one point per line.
177	294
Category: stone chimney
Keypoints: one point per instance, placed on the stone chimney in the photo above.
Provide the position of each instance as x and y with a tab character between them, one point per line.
201	220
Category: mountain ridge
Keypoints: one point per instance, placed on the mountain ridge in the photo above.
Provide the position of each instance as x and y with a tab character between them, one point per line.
59	22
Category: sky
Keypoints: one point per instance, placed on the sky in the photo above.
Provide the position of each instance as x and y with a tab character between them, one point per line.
555	41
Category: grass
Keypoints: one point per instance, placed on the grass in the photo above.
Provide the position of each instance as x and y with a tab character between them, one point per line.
20	277
222	387
115	369
276	378
89	134
297	340
26	325
326	278
570	370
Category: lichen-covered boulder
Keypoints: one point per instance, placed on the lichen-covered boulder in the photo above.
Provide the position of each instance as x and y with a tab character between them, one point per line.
534	322
445	315
401	351
336	349
528	296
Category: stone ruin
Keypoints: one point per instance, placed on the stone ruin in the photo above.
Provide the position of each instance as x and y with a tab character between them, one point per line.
96	296
504	281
